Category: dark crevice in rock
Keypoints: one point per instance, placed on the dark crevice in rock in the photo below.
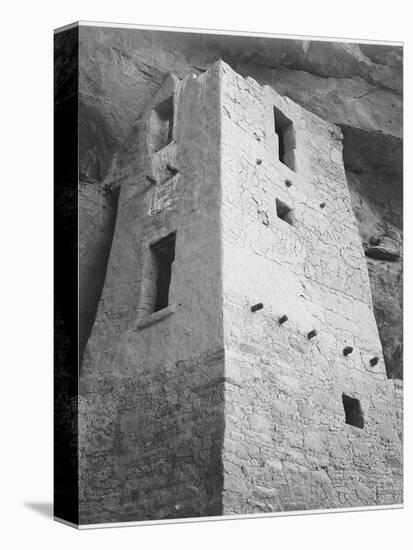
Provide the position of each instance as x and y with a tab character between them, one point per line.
381	253
374	161
373	164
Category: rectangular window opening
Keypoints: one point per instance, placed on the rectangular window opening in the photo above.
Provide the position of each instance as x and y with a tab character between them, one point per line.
284	212
286	138
353	411
161	124
163	253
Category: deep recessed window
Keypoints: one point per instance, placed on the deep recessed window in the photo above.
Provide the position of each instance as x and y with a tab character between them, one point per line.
163	253
352	409
286	138
284	212
161	124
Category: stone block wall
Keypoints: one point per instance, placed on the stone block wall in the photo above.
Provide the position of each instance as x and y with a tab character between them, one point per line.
287	445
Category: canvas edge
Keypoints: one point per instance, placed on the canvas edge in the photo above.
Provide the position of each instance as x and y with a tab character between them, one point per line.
225	32
231	517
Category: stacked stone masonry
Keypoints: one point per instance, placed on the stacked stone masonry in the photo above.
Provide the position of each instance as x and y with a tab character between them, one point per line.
206	407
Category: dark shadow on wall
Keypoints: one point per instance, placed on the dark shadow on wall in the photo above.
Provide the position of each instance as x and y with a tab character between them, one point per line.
374	170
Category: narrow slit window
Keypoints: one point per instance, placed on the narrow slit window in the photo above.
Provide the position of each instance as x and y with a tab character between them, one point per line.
161	124
283	127
284	212
163	253
353	412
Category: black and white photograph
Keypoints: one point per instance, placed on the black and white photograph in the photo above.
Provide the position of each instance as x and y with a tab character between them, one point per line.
234	217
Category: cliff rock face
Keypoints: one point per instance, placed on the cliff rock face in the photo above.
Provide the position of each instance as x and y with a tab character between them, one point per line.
358	87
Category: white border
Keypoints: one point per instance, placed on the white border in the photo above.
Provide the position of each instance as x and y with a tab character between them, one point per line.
224	32
229	517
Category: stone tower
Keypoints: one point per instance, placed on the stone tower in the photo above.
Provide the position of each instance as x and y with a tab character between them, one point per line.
234	365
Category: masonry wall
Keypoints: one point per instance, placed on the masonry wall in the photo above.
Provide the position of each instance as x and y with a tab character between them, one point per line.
151	416
286	444
205	407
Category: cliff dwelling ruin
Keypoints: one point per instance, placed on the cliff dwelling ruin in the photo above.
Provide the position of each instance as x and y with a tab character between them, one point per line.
233	359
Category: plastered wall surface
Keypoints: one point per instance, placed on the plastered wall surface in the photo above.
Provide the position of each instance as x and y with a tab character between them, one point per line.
151	388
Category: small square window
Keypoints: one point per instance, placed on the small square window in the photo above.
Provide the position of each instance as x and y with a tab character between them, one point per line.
353	412
284	129
284	212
